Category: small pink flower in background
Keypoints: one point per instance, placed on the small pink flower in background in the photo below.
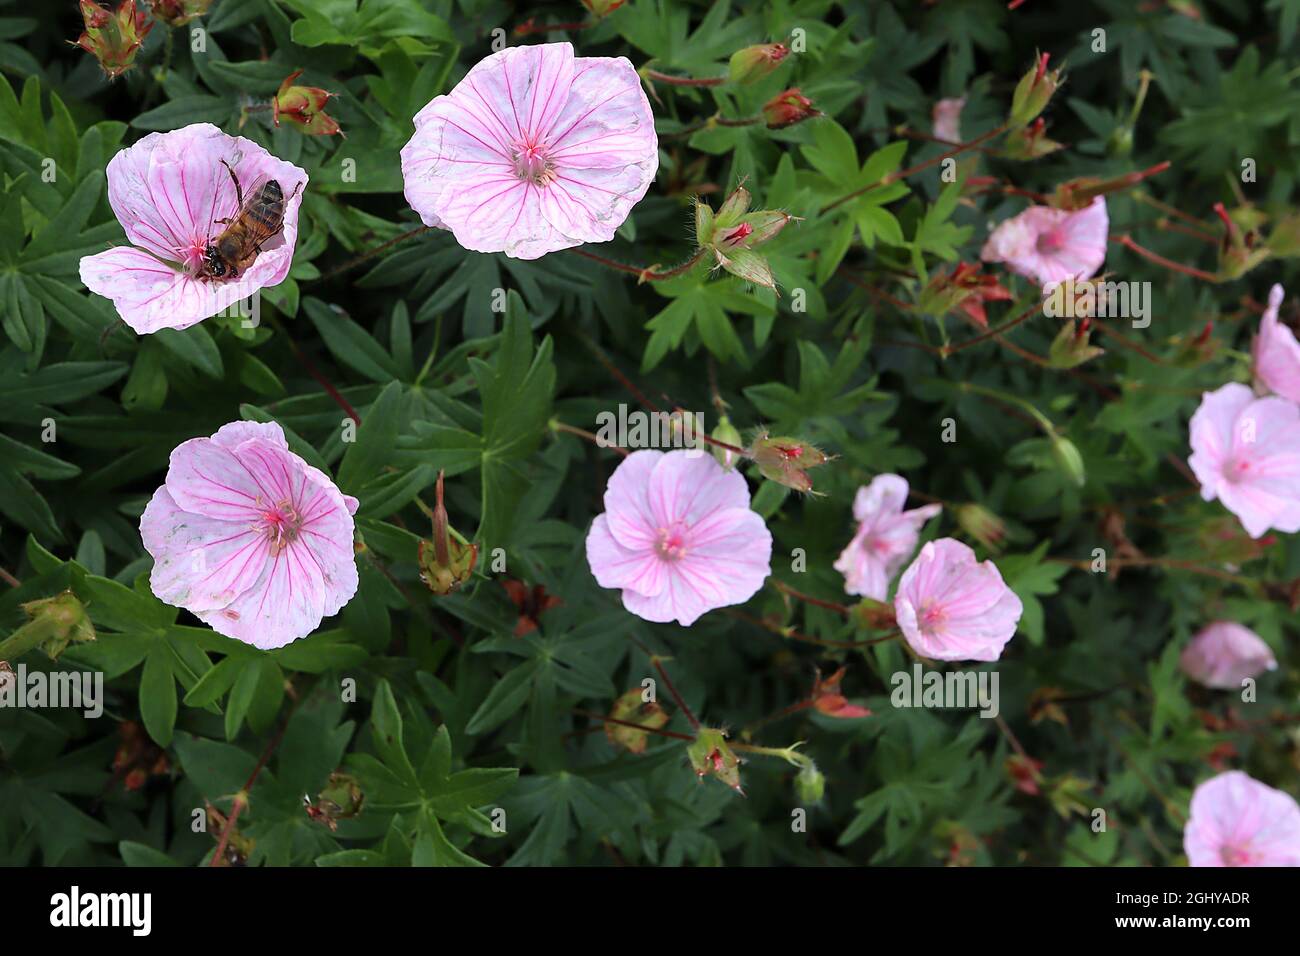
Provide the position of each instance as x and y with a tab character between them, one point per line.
1276	352
249	537
168	191
951	607
946	119
886	536
1246	453
1237	821
534	151
678	537
1224	654
1051	245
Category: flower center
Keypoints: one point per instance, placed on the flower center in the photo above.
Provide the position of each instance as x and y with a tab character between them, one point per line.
281	525
932	616
1050	242
1238	470
1234	856
671	543
532	165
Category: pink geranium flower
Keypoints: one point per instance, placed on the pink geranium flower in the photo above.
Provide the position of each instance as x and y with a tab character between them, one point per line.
945	118
535	150
1224	654
1246	453
886	536
169	192
1238	821
678	536
1048	245
249	537
951	607
1276	352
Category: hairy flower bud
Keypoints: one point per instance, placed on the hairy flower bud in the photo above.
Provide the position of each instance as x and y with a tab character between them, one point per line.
711	756
1066	455
113	38
1071	347
447	561
55	623
755	62
733	232
787	460
787	108
1034	91
810	785
304	107
981	524
177	13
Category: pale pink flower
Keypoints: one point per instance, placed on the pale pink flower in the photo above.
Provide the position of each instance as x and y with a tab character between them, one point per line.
1276	352
946	119
1237	821
951	607
1246	453
1051	245
678	536
534	151
168	191
1225	653
886	536
249	537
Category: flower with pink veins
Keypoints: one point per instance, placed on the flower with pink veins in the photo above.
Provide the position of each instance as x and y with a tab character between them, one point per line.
951	607
1051	245
1237	821
1276	352
535	150
886	536
170	192
249	537
1224	654
1246	453
678	537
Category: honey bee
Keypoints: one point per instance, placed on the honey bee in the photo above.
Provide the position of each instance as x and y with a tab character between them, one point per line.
260	218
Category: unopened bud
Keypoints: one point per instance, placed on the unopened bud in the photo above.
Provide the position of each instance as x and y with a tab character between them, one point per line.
114	38
177	13
981	524
1068	460
446	562
1071	348
787	460
711	756
602	8
755	62
55	623
787	108
1034	91
810	784
726	432
303	107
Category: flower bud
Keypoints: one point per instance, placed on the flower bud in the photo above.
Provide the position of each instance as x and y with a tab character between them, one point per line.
177	13
981	524
342	799
446	562
726	432
787	108
1241	249
787	460
114	38
711	756
1070	347
602	8
965	288
1031	142
1034	91
828	700
1068	460
57	622
304	107
755	62
810	785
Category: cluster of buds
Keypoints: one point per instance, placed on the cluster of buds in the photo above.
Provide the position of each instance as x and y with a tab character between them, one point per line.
787	460
177	13
1240	250
1034	91
114	37
341	799
446	561
966	289
303	107
732	234
711	756
755	62
787	108
1071	347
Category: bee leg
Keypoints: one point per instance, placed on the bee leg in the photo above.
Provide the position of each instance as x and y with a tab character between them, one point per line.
239	192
